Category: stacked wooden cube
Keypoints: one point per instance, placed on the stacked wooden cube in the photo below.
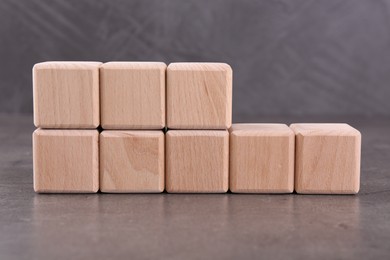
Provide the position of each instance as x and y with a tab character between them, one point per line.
143	127
66	110
199	112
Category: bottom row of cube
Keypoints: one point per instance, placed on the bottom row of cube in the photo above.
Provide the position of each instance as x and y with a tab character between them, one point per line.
257	158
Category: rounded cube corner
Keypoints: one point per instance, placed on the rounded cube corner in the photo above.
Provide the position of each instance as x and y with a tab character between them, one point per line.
95	189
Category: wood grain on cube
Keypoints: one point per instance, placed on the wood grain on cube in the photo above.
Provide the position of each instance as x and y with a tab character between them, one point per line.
66	94
132	161
197	161
66	161
199	96
327	158
261	158
133	95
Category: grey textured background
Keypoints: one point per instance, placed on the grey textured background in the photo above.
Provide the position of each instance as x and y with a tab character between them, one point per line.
289	57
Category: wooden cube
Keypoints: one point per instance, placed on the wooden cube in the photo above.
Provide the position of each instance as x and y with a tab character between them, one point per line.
66	161
133	95
66	94
261	158
132	161
327	159
197	161
199	96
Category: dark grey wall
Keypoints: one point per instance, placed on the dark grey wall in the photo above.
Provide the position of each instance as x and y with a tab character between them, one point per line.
329	57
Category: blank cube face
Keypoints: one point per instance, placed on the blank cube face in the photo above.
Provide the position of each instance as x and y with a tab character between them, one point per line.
133	95
197	161
327	158
261	158
132	161
66	94
66	161
199	96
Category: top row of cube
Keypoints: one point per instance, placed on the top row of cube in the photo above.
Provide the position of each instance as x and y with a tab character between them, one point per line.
132	95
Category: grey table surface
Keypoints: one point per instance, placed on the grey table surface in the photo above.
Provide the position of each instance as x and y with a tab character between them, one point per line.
181	226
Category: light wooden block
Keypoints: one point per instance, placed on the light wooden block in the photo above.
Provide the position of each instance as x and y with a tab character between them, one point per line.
66	94
197	161
66	161
133	95
199	96
261	158
327	158
132	161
